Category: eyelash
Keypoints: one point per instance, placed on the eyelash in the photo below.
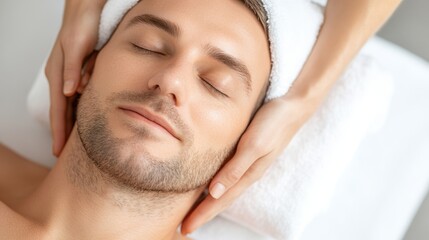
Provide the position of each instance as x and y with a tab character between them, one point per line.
213	89
144	50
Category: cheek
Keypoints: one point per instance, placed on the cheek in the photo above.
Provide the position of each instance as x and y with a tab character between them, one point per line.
217	128
115	71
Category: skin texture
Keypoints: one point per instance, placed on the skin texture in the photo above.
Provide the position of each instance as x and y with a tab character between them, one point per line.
18	177
177	78
348	25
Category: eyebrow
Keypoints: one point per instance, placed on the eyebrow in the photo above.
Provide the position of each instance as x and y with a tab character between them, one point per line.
214	52
169	27
231	62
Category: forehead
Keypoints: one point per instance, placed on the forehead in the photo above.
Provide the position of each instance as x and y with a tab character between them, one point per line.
226	24
206	11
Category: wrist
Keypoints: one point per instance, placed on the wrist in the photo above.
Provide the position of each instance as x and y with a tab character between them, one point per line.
304	91
299	107
304	98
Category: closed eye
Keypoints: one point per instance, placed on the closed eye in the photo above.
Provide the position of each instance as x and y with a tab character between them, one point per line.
211	88
145	50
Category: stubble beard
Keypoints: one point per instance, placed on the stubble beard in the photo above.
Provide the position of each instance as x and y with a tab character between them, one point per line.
140	172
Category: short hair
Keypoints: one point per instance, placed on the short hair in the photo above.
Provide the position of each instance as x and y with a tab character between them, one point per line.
258	9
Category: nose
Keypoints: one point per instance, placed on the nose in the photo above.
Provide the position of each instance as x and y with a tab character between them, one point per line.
171	81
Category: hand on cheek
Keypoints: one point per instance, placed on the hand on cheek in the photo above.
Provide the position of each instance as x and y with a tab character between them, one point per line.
271	130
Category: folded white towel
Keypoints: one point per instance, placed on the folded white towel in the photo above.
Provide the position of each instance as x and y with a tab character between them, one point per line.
299	184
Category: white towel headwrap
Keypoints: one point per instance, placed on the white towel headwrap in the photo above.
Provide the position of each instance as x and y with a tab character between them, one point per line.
289	47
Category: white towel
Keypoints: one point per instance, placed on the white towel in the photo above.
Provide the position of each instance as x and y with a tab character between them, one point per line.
293	26
299	184
111	15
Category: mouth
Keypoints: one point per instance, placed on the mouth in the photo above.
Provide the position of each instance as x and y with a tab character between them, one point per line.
150	118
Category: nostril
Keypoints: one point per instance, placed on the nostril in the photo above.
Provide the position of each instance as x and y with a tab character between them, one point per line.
154	87
174	98
169	83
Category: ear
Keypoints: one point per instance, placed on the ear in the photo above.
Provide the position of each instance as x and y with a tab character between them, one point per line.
87	70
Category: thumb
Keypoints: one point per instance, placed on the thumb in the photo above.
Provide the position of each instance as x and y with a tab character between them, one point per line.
233	171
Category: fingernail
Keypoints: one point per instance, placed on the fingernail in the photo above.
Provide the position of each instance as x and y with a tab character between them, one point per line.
68	87
54	149
217	190
191	229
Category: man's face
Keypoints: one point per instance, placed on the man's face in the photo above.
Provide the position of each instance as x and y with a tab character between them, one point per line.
172	91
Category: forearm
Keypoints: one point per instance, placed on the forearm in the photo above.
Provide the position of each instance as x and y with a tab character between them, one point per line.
348	25
90	6
99	3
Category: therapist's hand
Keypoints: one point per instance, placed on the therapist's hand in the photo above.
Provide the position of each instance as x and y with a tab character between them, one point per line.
75	42
268	134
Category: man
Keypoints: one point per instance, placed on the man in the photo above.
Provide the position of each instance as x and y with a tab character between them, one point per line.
169	96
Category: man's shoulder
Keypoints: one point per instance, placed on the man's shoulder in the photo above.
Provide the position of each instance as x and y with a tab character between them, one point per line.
18	175
15	226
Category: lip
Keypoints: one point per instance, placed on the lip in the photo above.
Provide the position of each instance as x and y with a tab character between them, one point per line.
152	118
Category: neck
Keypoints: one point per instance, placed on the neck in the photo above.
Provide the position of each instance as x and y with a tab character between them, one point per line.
77	201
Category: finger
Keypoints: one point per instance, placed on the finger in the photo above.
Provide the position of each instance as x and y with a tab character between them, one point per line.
73	60
87	71
69	117
57	110
247	153
84	80
210	206
205	211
